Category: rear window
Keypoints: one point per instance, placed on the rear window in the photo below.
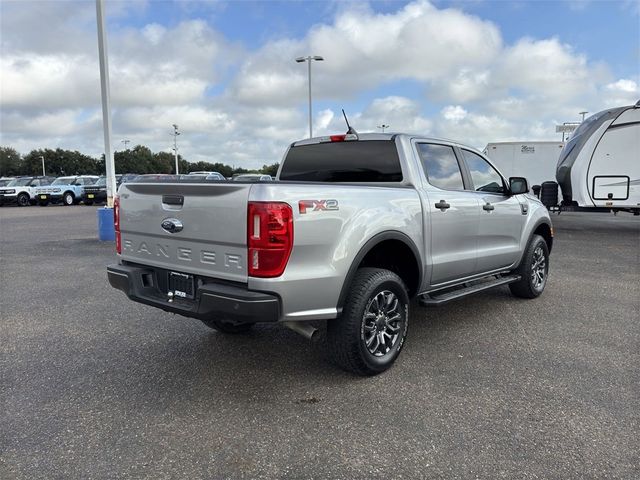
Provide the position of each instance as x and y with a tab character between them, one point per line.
359	161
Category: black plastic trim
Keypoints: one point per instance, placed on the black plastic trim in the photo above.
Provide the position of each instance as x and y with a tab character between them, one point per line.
213	300
366	248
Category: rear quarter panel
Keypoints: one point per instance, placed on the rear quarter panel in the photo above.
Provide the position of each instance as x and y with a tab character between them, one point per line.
326	242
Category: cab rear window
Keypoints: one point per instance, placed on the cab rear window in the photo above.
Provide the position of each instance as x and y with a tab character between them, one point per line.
353	162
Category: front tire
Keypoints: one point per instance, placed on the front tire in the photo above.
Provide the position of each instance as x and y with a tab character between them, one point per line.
227	327
23	200
68	199
366	339
534	270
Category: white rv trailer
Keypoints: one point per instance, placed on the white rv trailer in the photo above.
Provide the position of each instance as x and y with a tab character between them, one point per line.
536	161
600	166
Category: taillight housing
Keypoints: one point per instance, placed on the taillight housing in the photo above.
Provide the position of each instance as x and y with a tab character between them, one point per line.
269	238
116	223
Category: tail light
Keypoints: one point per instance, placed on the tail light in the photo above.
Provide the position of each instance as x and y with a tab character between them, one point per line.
116	223
269	238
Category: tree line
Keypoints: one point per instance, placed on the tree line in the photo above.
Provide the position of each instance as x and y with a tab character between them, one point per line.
139	159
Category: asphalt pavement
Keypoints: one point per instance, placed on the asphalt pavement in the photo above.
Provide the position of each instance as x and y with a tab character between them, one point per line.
94	386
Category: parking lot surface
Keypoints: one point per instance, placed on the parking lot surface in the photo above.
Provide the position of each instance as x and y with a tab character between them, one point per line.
95	386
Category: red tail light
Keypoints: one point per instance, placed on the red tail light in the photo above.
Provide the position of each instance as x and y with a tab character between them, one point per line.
116	223
269	238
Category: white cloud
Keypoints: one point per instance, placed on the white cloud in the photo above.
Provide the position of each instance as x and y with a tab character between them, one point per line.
623	85
365	48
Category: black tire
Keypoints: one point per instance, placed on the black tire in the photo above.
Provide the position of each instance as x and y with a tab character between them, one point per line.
530	285
23	200
68	199
346	335
227	327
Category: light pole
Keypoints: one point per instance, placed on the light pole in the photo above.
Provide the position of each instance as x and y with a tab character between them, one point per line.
383	126
175	144
583	114
126	141
309	59
42	158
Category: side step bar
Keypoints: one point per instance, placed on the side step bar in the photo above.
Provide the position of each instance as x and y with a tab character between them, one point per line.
435	299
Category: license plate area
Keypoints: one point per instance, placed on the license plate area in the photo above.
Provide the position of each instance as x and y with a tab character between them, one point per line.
181	285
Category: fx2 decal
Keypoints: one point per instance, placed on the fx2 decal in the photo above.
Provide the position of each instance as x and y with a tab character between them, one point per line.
307	206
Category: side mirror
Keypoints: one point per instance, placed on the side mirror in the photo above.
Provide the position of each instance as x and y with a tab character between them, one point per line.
518	185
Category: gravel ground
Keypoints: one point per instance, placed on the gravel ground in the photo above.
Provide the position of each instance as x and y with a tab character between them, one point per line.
95	386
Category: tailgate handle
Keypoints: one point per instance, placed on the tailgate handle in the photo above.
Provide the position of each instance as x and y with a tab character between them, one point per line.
173	199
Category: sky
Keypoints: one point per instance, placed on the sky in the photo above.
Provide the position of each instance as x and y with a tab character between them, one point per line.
476	71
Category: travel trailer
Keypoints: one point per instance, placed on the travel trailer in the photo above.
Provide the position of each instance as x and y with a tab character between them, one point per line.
599	168
536	161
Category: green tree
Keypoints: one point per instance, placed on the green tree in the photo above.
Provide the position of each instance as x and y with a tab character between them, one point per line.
60	162
10	162
270	169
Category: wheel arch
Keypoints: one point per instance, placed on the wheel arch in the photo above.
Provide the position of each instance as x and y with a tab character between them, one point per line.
404	261
545	230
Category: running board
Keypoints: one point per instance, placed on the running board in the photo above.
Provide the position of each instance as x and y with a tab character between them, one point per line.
429	300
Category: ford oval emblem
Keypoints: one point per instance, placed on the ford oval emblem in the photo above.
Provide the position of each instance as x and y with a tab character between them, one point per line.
171	225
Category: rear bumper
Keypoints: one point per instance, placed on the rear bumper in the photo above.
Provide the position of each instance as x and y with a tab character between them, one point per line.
212	300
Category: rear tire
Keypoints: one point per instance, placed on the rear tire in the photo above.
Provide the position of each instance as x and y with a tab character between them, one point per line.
23	200
227	327
368	336
534	270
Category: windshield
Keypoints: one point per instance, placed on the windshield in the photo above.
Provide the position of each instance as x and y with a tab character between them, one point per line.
101	182
19	182
63	181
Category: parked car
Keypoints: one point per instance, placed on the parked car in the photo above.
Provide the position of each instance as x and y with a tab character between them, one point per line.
354	228
21	190
67	190
209	175
97	193
252	177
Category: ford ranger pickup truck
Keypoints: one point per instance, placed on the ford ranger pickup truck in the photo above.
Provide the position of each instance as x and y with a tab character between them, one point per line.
353	228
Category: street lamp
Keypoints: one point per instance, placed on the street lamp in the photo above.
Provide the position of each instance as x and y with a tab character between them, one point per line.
175	144
126	141
583	114
309	59
383	126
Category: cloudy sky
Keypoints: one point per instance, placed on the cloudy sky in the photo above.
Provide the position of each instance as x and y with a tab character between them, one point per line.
477	71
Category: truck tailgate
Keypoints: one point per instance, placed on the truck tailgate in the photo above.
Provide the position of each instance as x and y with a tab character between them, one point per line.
212	241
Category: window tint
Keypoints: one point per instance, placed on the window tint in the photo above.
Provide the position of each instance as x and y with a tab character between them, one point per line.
356	161
484	177
441	166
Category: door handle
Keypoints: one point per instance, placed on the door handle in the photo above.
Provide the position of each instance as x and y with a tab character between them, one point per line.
488	207
442	205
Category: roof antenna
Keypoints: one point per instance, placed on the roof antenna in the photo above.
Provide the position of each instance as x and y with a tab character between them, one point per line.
350	130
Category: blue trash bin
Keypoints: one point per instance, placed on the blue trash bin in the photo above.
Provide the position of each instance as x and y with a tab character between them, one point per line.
106	229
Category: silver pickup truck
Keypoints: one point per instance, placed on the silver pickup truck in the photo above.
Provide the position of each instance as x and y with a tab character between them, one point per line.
353	228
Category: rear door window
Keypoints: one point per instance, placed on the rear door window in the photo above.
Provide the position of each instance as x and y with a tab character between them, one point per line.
353	162
441	166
